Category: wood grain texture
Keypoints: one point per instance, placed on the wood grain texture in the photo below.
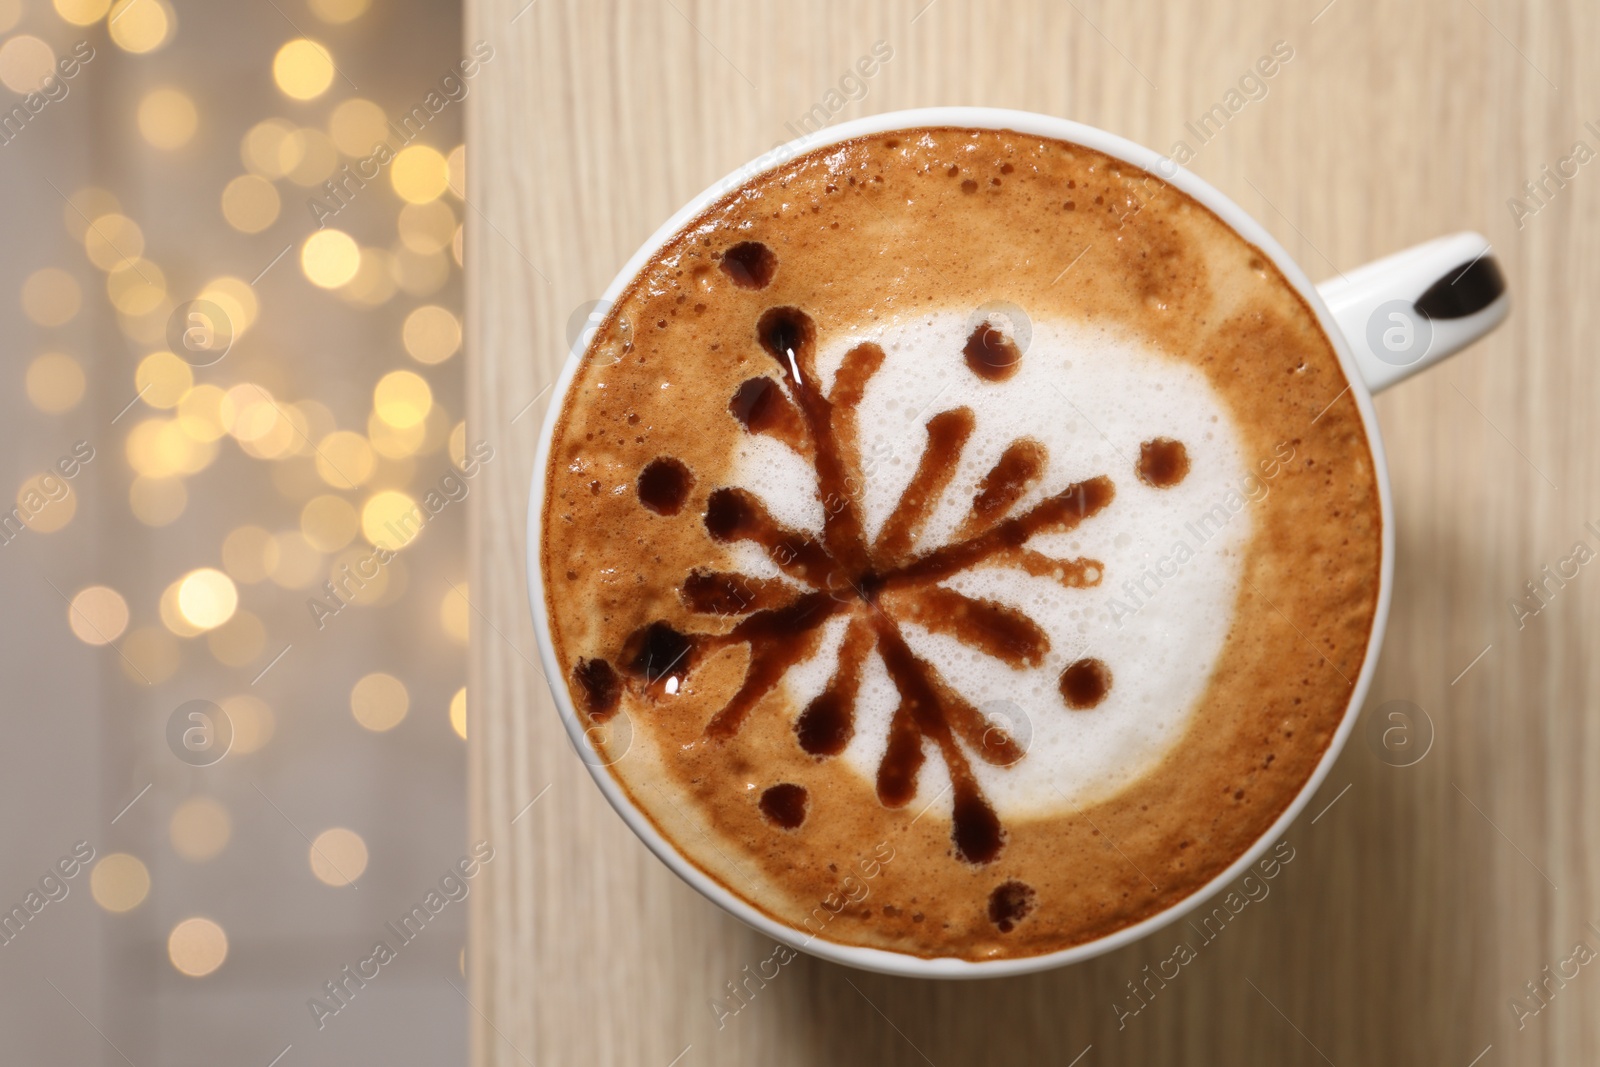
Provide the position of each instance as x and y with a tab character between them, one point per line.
1418	905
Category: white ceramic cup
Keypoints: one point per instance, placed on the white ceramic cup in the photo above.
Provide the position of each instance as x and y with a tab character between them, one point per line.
1386	320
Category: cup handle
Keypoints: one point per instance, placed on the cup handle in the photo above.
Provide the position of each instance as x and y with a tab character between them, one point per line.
1408	311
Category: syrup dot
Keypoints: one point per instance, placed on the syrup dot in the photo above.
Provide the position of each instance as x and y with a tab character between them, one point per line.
785	805
991	354
657	652
750	265
1085	683
1009	904
664	484
602	689
1163	462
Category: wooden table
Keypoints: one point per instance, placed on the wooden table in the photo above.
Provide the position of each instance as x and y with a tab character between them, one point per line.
1421	899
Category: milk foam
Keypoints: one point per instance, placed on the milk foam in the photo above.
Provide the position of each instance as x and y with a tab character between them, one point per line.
1091	395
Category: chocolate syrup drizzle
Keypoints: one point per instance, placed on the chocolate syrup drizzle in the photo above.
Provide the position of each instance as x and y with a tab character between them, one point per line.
877	584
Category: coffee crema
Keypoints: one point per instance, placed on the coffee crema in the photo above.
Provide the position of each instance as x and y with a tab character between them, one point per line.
960	543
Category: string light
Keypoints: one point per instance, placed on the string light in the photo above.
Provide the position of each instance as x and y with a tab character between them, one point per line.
200	829
167	118
82	12
253	723
431	334
458	713
140	26
157	502
338	856
250	203
51	297
329	258
455	613
402	398
197	947
55	383
119	882
303	69
379	701
356	126
25	62
419	173
98	615
389	519
207	598
338	11
162	379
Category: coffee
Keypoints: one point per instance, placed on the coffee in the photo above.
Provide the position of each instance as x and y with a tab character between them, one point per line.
960	543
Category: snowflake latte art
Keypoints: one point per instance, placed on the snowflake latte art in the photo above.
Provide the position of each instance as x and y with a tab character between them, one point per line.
960	543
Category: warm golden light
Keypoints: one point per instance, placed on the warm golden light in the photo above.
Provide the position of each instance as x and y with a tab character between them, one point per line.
162	379
249	554
252	720
250	203
271	148
458	713
455	612
356	126
157	501
338	856
10	12
50	297
329	258
373	283
84	206
137	288
248	412
390	519
98	615
419	173
207	598
303	69
113	241
402	398
338	11
457	164
197	947
119	882
419	273
329	522
46	502
171	616
200	828
167	118
55	383
140	26
344	459
393	442
379	701
431	334
25	62
458	443
82	12
236	298
160	448
427	228
198	416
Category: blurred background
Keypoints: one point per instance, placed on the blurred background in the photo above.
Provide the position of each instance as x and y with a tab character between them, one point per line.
234	570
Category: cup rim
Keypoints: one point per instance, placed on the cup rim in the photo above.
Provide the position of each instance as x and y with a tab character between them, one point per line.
1030	124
